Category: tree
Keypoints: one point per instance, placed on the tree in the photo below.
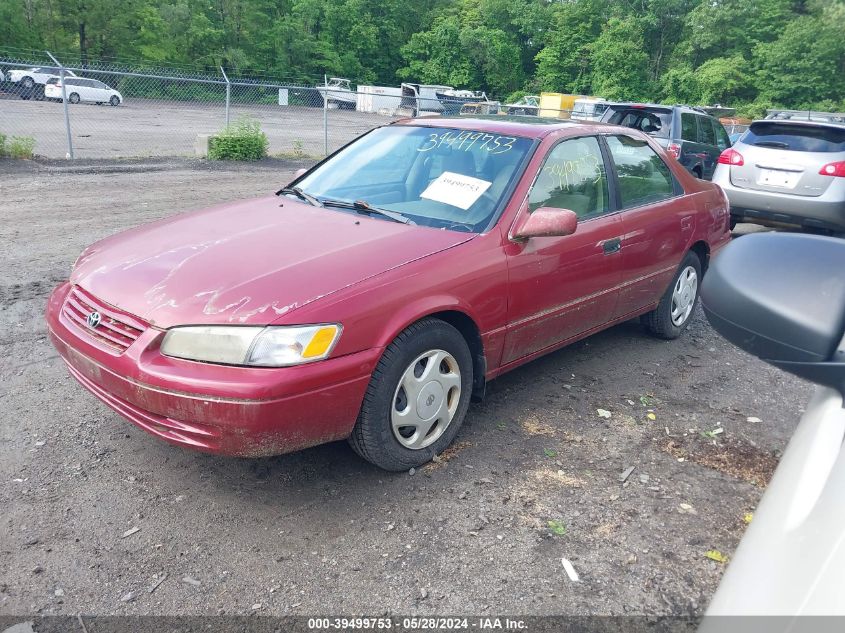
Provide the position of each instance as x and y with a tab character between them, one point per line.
619	63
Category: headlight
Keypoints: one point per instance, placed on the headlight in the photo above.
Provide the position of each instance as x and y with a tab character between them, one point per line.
272	346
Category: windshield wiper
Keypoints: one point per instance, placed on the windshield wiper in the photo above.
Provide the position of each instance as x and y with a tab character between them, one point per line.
362	206
299	193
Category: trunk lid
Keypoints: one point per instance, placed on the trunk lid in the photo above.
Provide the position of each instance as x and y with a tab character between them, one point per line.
785	157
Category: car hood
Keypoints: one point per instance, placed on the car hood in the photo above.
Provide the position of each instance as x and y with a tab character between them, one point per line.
247	262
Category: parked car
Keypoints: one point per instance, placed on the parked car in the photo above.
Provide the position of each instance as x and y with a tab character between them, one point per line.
691	135
778	296
27	78
380	290
528	105
589	109
79	89
787	173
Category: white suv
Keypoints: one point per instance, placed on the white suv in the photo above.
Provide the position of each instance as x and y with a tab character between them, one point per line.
81	89
28	77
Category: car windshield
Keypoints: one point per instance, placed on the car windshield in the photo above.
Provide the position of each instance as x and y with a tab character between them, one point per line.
439	177
653	121
795	137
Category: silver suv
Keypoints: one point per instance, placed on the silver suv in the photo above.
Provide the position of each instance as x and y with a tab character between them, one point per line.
787	172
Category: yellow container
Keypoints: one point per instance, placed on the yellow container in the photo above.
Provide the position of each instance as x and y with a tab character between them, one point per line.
557	105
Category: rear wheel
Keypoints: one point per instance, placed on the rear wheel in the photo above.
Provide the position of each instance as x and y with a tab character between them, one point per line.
672	315
417	398
28	83
73	98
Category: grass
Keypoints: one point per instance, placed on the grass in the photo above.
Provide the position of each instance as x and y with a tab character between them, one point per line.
20	147
242	140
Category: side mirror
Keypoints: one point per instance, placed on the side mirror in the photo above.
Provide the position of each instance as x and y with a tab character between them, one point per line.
299	173
547	222
781	297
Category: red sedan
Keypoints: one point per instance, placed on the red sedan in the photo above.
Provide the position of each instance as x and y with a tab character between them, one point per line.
381	290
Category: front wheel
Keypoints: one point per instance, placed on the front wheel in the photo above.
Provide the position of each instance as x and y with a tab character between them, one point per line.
672	315
417	399
115	101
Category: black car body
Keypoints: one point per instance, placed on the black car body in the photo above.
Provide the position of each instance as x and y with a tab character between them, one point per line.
690	134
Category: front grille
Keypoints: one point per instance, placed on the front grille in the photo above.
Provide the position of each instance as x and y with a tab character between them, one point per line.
116	330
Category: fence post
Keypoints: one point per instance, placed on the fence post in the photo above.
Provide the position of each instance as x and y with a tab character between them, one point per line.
64	101
228	94
325	116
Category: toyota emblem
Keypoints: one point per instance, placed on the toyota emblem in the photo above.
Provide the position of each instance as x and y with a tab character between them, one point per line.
93	320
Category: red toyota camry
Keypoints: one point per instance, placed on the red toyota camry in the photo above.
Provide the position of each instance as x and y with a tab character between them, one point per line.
376	294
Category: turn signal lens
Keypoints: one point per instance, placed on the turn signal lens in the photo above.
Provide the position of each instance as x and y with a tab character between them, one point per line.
731	157
321	342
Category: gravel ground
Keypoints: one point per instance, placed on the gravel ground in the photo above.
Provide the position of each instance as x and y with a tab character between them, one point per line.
146	127
96	513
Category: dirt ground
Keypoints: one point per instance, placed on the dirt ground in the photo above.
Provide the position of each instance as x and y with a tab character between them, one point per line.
146	127
100	518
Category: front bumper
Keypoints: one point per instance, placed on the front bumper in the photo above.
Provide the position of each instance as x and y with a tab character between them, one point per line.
239	411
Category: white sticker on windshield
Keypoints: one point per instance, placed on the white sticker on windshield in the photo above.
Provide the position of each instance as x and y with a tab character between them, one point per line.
455	189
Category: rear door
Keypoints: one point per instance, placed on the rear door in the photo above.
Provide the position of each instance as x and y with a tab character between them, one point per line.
786	157
656	227
560	287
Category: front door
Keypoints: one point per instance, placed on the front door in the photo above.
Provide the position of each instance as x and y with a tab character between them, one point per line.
561	287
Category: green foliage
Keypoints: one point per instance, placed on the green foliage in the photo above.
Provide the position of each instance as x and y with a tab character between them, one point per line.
21	147
2	144
243	140
744	53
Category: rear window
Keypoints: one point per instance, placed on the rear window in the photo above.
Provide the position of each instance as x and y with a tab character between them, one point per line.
796	138
652	121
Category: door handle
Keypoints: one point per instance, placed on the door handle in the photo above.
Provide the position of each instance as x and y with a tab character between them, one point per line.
611	246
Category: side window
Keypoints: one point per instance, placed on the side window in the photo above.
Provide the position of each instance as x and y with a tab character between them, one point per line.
706	134
722	139
688	131
643	176
572	177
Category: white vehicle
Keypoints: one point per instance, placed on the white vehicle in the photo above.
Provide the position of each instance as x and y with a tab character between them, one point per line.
28	77
589	109
779	297
337	93
80	89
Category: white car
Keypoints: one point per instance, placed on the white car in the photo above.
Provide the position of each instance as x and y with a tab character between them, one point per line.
81	89
28	77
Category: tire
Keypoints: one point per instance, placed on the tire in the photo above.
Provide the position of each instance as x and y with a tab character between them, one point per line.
734	222
28	83
73	98
697	173
379	435
114	101
679	297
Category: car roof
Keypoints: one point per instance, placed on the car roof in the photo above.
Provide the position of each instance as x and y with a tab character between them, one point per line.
524	126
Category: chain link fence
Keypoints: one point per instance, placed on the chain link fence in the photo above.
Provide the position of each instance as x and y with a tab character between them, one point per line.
101	110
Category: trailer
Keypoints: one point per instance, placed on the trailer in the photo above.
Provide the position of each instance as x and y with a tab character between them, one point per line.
378	99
